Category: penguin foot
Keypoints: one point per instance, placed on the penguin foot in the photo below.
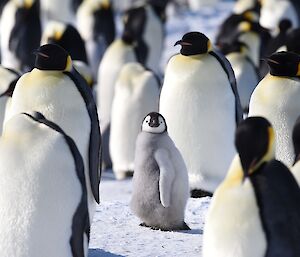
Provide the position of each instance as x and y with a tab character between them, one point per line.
198	193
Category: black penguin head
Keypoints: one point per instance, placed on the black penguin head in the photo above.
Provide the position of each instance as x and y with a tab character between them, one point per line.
154	123
52	57
234	47
254	141
292	41
296	139
284	64
194	43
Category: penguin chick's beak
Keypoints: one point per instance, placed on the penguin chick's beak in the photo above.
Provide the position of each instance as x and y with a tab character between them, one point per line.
154	123
182	43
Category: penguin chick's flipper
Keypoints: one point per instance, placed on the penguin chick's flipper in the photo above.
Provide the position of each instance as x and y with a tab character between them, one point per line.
166	176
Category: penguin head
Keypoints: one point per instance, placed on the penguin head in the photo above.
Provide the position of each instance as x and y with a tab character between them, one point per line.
254	141
296	139
154	123
235	47
284	64
193	43
52	57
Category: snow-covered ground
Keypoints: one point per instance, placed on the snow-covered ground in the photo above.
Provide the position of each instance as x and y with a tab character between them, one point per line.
115	230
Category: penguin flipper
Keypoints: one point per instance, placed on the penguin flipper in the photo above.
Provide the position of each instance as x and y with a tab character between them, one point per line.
278	197
166	176
231	77
95	146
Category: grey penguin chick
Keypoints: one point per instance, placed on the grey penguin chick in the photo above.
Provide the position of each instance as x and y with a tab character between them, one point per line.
160	180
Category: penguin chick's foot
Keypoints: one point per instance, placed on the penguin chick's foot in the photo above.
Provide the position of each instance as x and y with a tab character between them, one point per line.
183	227
198	193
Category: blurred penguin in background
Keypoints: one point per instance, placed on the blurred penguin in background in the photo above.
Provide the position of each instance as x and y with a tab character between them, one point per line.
276	98
58	91
246	73
201	105
85	71
136	94
196	5
146	23
273	11
120	52
8	80
20	34
292	41
67	36
95	22
43	192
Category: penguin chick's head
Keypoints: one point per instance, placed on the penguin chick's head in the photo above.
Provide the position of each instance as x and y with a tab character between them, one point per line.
296	139
254	141
52	57
284	64
193	43
154	123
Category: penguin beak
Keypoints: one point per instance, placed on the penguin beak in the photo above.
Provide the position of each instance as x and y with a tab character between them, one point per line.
182	43
36	52
154	123
248	168
271	61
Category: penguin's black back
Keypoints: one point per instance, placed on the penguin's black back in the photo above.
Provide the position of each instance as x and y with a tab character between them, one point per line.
26	34
80	221
278	196
231	77
72	42
104	25
95	136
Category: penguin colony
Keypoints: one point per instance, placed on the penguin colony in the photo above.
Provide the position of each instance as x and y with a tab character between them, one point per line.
222	121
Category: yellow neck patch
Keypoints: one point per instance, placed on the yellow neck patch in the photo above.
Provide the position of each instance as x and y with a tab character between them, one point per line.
298	71
69	64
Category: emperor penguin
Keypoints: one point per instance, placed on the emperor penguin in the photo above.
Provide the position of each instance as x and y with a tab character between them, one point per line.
120	52
56	89
146	22
42	191
255	211
273	11
20	34
136	94
8	80
246	73
160	180
96	25
199	96
276	98
67	36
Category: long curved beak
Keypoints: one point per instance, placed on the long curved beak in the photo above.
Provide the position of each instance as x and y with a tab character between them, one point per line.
182	43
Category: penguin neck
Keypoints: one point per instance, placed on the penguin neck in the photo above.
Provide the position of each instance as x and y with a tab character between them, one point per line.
194	56
234	176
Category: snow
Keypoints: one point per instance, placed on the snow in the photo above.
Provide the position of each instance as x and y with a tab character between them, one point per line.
115	230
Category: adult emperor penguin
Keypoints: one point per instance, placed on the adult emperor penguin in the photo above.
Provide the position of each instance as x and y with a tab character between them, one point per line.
120	52
160	180
136	94
273	11
241	6
67	37
146	23
96	25
42	190
199	96
246	73
57	90
20	33
255	211
276	98
8	80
